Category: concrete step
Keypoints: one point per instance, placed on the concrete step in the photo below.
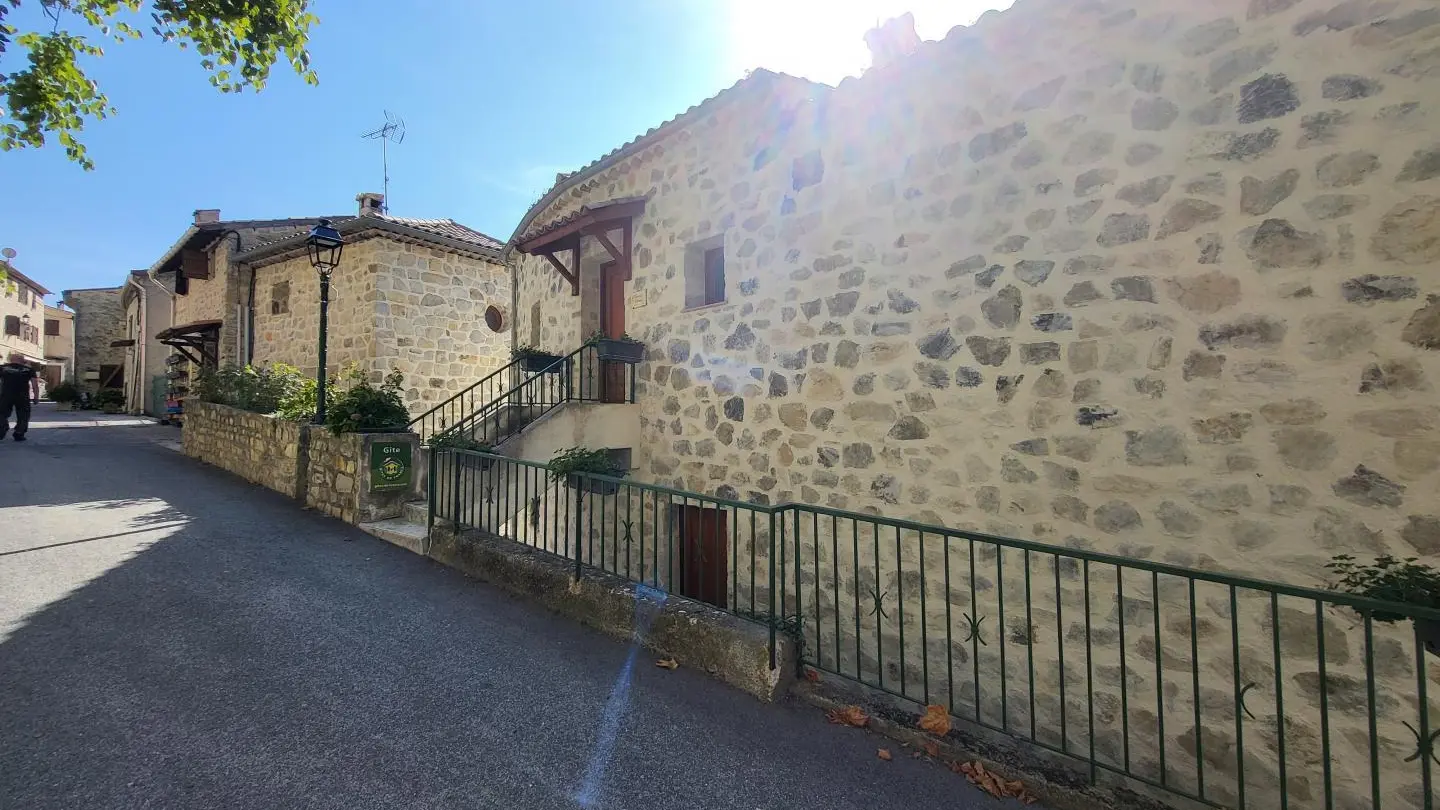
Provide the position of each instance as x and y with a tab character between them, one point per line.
397	531
417	512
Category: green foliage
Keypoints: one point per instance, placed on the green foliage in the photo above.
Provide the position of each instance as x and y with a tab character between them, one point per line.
581	460
1388	579
459	441
363	407
238	42
109	398
278	389
597	336
64	392
521	352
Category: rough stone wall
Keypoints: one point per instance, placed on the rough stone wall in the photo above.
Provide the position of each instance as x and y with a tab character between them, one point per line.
393	306
430	319
99	320
293	336
333	473
1142	280
256	447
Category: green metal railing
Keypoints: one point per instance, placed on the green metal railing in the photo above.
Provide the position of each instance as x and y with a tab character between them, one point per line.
1228	691
478	411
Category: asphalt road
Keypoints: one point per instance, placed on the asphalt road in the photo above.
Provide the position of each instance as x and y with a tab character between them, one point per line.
173	637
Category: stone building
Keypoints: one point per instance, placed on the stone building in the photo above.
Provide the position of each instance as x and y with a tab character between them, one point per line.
1156	282
148	305
413	295
425	297
22	314
99	318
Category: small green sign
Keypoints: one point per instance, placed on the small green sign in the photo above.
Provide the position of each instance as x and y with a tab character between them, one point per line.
390	465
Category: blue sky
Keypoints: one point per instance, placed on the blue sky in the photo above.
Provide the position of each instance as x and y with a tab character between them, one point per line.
497	97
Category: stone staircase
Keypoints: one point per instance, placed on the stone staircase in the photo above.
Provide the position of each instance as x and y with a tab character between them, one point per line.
407	531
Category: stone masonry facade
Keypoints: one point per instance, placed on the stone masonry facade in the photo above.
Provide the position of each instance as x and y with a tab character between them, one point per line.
1143	280
394	306
99	321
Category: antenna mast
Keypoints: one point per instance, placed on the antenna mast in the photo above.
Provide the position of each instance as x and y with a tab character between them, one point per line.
392	130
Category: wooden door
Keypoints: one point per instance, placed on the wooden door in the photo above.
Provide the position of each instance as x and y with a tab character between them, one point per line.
704	567
612	324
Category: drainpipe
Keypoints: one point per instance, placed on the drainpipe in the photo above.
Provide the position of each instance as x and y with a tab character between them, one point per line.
138	378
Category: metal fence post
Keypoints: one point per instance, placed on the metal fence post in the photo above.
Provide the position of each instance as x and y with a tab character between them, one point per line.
430	499
772	591
579	521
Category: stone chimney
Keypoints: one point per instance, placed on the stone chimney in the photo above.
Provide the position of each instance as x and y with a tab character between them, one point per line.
205	216
370	202
892	40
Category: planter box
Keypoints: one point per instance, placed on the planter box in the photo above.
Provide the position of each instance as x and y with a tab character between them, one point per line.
629	352
536	363
592	486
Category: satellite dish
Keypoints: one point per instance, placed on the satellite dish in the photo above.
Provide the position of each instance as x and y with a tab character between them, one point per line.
8	253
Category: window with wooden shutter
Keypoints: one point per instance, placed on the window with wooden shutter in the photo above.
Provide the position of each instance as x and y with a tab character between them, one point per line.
12	325
52	327
705	272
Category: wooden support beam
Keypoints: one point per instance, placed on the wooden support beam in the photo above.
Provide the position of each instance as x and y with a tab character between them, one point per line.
573	278
609	246
575	285
627	237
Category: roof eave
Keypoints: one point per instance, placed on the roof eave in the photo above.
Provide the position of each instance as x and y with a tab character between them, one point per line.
293	246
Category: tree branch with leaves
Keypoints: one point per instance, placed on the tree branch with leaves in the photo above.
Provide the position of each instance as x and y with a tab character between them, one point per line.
238	41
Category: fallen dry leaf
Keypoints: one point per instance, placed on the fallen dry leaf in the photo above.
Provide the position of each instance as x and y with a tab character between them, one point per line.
849	716
883	753
936	720
811	675
994	784
667	663
932	749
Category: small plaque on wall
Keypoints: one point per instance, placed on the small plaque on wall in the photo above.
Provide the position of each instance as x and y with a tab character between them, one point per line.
639	299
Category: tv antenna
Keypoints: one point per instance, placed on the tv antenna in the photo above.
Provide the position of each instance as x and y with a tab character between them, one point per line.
393	130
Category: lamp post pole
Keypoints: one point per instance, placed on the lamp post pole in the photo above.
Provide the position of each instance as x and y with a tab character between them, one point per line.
324	246
324	324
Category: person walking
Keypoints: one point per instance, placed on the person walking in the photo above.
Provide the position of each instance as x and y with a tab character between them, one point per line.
19	386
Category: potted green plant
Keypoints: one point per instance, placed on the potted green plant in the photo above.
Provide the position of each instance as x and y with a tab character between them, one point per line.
365	408
575	465
623	349
1393	580
64	396
468	444
535	360
110	400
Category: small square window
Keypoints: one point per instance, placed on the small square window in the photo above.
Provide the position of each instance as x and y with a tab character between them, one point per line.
52	327
705	273
280	298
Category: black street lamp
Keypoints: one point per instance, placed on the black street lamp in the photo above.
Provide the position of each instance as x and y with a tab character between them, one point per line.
324	244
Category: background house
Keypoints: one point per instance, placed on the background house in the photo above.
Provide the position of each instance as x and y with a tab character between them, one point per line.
99	319
22	314
425	297
59	345
148	305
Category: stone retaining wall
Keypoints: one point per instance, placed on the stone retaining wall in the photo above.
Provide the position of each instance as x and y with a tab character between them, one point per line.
325	472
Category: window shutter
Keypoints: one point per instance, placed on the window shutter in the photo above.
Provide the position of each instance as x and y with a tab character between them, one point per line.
52	327
714	275
195	264
12	325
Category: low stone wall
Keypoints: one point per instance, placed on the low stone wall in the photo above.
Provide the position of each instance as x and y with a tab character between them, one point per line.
325	472
261	449
703	638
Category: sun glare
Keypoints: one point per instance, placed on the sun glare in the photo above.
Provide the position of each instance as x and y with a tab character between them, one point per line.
824	41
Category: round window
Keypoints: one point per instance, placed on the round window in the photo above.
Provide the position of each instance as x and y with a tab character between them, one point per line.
494	318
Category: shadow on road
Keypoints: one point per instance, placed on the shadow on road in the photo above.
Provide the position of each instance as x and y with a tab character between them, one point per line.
176	638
